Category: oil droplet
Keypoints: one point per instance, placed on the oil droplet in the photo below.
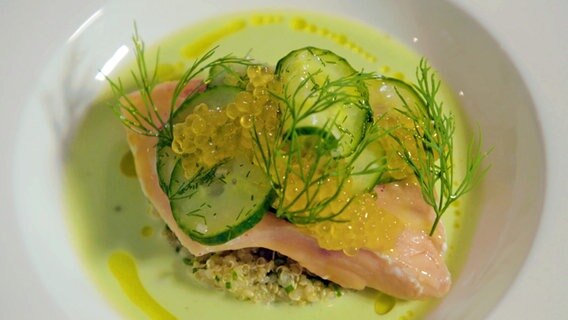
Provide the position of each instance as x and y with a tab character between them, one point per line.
313	28
301	25
398	75
358	50
277	19
384	69
340	39
384	303
370	57
298	24
323	32
169	71
259	20
197	48
147	231
123	268
127	166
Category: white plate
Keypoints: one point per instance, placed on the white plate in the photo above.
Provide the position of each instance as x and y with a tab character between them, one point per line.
33	31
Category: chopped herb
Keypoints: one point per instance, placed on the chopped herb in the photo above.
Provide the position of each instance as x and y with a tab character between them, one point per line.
337	289
289	288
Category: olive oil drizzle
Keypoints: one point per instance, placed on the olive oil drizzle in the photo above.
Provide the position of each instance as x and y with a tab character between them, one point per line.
123	268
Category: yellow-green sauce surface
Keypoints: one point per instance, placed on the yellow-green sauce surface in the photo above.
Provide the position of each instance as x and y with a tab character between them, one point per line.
120	241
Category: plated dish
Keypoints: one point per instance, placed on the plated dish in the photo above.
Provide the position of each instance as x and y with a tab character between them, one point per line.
486	99
335	178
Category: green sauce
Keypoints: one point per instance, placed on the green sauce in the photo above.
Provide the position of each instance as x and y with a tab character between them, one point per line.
108	212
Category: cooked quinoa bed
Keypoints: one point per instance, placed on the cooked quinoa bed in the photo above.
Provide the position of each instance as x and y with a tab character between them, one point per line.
256	274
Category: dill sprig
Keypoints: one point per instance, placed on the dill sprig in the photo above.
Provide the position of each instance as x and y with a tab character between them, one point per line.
186	188
149	121
434	136
319	148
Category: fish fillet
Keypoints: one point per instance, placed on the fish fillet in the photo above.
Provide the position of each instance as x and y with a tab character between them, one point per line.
414	269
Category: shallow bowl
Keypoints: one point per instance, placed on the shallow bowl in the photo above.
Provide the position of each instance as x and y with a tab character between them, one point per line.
491	91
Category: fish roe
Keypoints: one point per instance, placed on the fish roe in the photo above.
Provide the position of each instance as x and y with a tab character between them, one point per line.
358	221
362	224
301	191
208	136
403	129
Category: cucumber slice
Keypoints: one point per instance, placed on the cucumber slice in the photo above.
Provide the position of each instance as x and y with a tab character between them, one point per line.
368	168
166	161
324	138
216	97
383	96
367	165
303	73
231	74
220	203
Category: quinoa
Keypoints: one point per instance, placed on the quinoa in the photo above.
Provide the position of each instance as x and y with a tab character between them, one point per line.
256	274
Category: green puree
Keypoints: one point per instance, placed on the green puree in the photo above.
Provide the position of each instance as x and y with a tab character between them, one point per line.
108	212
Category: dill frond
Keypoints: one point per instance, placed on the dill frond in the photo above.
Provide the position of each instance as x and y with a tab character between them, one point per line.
290	144
434	167
147	120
